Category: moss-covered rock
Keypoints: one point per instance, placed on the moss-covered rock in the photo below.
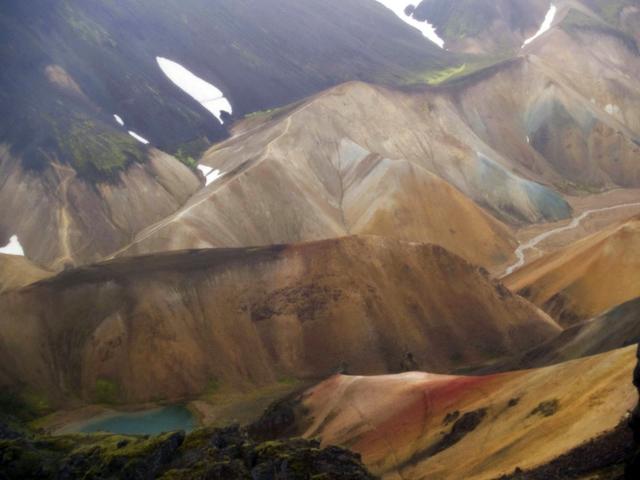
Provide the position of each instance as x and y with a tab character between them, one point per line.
212	454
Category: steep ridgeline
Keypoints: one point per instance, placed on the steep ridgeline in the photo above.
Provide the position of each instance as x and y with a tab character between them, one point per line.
166	326
419	425
374	160
82	93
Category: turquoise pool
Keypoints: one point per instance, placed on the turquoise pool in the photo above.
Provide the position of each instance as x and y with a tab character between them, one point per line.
148	422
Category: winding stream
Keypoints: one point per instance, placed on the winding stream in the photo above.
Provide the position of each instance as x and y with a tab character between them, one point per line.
531	244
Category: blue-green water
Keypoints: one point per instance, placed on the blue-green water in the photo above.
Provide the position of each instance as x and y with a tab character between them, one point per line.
149	422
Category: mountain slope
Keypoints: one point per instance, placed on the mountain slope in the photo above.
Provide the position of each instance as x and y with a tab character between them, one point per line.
418	425
107	52
358	159
166	326
61	219
568	284
483	25
17	272
617	328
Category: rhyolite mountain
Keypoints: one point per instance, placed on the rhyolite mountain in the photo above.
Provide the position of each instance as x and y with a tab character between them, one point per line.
512	137
349	214
419	425
166	325
74	185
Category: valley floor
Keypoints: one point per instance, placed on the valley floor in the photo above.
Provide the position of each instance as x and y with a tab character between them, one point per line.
598	211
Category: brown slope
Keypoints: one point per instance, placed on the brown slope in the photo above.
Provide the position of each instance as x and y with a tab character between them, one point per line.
17	272
423	426
554	124
617	328
165	326
63	220
586	278
345	162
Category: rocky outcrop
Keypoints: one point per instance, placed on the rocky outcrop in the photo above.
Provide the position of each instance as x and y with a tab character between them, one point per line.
633	469
228	454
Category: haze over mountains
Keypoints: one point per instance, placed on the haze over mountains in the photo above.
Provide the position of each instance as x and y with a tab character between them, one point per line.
375	213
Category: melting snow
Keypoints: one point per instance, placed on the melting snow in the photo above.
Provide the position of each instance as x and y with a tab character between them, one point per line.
428	30
210	174
13	247
546	24
209	96
205	170
119	119
612	109
139	138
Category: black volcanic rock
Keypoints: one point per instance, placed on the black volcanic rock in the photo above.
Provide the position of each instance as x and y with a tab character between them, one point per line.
227	454
68	66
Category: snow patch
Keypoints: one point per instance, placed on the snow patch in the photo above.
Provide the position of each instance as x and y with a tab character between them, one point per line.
546	24
612	109
139	138
428	30
119	119
210	174
13	247
205	170
208	95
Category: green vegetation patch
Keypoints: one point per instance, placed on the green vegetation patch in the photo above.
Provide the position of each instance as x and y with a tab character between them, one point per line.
106	391
25	406
95	151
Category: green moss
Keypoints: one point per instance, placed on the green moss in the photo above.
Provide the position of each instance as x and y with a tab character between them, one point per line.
188	160
88	30
106	391
291	381
213	386
92	150
26	405
452	74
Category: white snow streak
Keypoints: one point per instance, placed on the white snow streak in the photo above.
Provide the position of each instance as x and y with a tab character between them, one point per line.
210	174
119	119
428	30
139	138
546	24
208	95
13	247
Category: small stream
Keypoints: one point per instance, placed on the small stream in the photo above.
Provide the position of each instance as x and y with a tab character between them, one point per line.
531	244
